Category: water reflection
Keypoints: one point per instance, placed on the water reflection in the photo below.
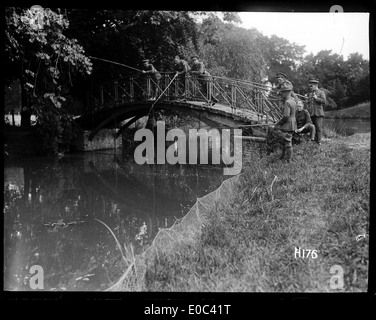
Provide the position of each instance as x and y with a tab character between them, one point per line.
355	125
50	209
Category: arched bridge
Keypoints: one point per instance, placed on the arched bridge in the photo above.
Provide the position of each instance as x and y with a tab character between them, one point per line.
122	102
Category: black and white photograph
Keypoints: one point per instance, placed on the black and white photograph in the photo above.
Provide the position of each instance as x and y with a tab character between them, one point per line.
206	151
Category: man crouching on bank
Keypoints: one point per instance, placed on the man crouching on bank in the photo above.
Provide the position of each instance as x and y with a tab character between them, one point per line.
287	125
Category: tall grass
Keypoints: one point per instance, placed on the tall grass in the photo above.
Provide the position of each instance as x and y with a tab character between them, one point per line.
320	202
128	256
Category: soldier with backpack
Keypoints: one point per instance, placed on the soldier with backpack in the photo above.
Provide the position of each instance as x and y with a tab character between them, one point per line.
287	125
182	68
149	69
203	78
282	78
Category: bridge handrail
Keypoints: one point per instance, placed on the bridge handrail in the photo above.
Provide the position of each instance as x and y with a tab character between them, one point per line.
232	80
237	93
137	75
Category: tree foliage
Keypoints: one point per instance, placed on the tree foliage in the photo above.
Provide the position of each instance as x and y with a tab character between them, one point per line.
230	51
347	81
45	61
129	36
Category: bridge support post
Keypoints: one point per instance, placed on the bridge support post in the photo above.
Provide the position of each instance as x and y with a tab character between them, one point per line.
88	103
101	95
116	91
176	86
131	89
148	87
209	90
233	96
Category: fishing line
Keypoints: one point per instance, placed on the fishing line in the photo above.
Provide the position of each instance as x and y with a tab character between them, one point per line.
117	63
152	106
256	125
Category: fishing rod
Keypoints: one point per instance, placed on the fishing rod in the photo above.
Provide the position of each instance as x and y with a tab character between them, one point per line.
176	74
113	62
258	125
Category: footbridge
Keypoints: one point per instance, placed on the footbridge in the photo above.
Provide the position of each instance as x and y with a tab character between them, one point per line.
239	103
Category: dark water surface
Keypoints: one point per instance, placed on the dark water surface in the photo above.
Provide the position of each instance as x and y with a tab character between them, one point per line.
51	207
356	125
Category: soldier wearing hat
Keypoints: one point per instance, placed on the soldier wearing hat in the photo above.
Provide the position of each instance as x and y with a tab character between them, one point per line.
315	104
181	68
203	78
303	121
282	78
287	125
149	69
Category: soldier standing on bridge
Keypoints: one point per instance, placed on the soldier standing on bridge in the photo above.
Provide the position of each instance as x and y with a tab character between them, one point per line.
203	78
316	102
287	125
149	69
282	78
182	68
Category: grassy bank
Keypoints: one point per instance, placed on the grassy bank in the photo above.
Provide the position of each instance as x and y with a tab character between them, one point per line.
359	111
319	202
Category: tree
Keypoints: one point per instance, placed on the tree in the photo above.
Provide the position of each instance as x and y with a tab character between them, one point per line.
45	62
128	36
338	92
347	81
230	51
358	81
328	69
280	55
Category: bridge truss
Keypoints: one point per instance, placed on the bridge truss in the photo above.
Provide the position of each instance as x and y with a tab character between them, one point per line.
238	94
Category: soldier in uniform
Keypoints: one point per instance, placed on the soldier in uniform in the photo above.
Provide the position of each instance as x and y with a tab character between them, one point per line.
303	121
149	69
287	125
282	78
203	78
315	105
181	67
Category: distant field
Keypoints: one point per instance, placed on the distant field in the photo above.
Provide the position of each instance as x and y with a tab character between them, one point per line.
359	111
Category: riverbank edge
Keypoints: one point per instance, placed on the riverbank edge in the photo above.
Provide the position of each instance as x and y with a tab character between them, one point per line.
243	247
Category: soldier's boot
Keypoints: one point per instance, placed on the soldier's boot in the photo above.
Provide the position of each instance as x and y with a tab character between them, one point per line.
283	153
288	154
313	133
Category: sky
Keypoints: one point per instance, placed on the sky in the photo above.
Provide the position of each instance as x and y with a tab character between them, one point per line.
343	33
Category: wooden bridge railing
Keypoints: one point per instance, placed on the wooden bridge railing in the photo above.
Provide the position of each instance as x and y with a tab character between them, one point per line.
239	94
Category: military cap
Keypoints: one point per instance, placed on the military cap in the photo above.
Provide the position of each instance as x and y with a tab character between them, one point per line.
280	74
313	81
194	56
145	60
286	86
